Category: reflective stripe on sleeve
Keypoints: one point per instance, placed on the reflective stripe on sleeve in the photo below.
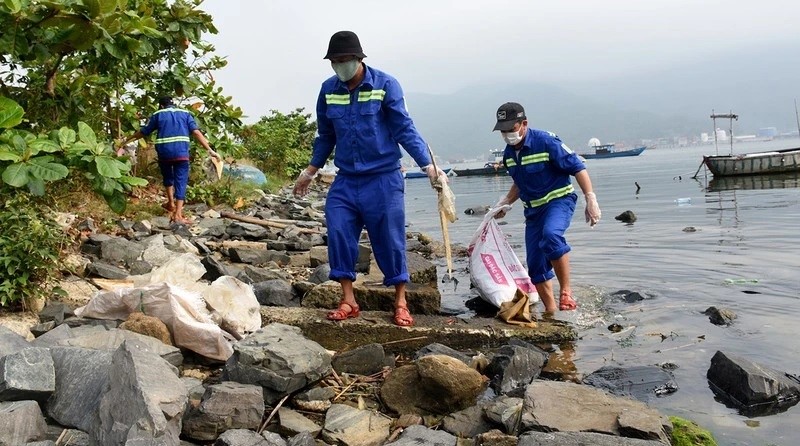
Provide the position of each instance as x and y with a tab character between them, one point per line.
552	195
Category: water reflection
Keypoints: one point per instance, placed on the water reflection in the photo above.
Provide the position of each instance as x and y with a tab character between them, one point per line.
753	182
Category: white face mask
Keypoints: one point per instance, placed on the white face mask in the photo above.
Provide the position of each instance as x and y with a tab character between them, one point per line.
511	138
345	70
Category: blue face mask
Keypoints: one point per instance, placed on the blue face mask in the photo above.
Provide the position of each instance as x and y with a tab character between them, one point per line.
345	70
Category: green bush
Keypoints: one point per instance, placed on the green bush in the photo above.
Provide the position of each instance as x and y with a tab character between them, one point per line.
30	244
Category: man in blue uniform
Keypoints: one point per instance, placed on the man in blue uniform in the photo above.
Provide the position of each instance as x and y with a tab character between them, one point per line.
362	113
174	126
541	166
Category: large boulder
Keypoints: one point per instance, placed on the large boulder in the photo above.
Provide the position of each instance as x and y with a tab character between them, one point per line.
434	384
279	359
349	426
27	375
81	378
143	402
21	422
753	388
224	406
561	406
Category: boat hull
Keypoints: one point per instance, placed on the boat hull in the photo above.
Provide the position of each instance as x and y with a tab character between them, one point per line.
419	174
779	161
481	171
633	152
755	182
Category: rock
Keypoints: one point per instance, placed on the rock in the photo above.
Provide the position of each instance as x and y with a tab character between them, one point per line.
40	329
139	267
496	438
753	388
257	257
292	423
363	262
257	274
477	210
422	299
143	402
214	268
154	251
467	423
81	378
419	435
318	255
27	375
353	427
55	311
21	422
561	406
280	359
581	439
225	406
505	411
277	292
629	296
513	367
107	270
363	360
302	439
120	250
435	384
149	326
242	437
112	339
320	274
247	231
720	316
441	349
11	342
420	269
640	382
626	217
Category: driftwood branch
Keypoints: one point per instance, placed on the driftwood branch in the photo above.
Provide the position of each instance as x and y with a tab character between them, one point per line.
266	223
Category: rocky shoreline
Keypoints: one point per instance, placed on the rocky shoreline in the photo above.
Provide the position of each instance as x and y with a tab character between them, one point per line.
281	373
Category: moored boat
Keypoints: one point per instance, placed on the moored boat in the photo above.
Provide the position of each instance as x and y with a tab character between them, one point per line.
420	174
610	151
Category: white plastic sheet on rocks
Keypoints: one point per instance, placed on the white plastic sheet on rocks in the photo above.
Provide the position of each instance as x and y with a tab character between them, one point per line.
189	308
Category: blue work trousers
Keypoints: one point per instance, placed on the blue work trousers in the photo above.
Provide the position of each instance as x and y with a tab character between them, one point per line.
374	202
176	174
544	236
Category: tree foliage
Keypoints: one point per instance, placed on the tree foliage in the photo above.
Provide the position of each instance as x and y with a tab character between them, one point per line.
280	144
104	62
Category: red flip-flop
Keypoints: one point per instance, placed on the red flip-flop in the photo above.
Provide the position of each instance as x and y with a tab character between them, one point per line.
345	311
402	317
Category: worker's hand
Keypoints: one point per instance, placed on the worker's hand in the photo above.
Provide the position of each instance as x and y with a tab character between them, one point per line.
435	175
502	202
213	154
302	183
592	209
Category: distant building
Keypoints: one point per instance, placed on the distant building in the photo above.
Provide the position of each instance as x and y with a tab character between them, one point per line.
721	135
704	138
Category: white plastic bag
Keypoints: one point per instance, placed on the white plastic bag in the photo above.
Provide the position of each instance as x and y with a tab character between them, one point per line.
495	269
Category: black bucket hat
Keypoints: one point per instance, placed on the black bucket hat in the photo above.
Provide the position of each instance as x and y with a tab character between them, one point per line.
344	43
508	115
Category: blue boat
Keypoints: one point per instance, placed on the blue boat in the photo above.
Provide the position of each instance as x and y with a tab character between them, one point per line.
609	151
421	174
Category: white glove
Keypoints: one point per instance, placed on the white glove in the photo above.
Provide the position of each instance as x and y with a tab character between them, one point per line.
435	176
592	209
303	182
503	201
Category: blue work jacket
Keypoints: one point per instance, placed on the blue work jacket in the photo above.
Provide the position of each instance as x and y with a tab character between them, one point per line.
542	168
174	126
365	126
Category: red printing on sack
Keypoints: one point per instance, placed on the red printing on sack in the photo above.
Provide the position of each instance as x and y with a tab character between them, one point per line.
491	266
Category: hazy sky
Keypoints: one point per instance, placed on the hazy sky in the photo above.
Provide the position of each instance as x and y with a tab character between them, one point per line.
274	48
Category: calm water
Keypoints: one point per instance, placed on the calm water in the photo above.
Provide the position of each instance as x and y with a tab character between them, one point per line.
750	234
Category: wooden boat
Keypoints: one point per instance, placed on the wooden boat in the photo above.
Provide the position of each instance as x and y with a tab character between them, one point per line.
757	163
609	151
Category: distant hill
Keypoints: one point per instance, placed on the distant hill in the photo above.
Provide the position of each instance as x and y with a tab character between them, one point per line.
757	83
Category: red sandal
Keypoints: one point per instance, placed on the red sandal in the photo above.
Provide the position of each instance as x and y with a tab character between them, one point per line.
566	302
402	317
345	311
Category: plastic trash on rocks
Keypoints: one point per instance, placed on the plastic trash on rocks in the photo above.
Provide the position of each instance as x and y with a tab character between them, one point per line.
174	294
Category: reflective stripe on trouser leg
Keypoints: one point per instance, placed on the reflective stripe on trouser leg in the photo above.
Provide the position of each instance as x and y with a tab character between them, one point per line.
344	222
544	237
384	214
